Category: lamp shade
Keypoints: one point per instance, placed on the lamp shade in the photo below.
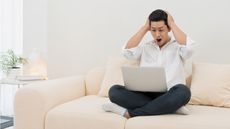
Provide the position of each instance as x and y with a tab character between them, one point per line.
37	64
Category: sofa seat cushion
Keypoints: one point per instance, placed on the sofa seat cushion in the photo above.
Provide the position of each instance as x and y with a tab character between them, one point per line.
201	117
83	113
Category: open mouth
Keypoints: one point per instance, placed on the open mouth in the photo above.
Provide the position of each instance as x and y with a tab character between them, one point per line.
158	40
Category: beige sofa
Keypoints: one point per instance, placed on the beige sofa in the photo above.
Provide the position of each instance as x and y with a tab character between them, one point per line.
74	103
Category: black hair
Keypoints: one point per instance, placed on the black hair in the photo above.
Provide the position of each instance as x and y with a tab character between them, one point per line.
159	15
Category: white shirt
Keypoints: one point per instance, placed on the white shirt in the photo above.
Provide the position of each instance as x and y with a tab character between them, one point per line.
171	56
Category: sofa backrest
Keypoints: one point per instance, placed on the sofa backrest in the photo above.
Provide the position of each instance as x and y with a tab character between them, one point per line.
93	80
95	77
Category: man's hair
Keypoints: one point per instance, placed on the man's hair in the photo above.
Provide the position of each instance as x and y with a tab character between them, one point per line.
159	15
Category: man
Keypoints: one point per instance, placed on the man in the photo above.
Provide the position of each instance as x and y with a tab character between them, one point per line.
163	51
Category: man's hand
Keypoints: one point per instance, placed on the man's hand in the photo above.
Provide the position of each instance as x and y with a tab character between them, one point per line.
147	25
179	35
170	19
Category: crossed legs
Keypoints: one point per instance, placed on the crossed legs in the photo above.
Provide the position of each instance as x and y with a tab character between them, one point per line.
149	103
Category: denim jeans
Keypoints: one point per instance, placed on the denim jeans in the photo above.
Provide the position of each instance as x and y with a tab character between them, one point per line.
150	103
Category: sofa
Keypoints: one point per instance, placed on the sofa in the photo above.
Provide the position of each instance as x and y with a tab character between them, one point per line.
75	103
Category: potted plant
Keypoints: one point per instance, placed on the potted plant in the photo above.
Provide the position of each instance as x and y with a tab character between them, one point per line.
9	61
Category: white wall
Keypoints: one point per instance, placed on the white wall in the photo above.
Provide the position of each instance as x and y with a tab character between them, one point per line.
35	26
82	34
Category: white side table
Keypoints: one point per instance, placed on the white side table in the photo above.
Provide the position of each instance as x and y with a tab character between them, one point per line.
14	82
8	88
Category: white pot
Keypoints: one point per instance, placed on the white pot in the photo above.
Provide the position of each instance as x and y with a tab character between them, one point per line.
14	72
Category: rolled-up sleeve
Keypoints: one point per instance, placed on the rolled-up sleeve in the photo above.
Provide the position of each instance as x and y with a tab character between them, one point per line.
187	50
132	53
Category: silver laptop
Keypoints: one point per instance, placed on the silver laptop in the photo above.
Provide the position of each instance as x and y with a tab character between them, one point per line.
145	79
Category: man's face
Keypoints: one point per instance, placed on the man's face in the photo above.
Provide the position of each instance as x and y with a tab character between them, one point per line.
159	32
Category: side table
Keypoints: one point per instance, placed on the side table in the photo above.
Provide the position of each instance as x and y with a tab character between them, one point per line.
5	120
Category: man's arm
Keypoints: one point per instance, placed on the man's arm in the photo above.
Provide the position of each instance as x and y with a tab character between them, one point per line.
136	39
179	35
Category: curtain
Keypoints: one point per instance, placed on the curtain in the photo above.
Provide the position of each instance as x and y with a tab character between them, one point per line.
11	25
11	18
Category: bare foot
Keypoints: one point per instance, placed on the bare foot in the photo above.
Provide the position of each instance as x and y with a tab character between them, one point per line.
127	115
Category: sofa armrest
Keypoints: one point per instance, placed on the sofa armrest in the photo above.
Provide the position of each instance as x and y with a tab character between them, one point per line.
32	102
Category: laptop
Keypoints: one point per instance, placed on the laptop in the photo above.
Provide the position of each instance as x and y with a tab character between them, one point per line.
145	79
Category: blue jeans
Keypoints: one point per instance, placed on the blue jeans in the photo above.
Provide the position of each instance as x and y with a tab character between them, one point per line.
150	103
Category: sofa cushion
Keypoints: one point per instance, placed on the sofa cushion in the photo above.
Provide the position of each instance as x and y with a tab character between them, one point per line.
113	74
93	80
211	84
201	117
83	113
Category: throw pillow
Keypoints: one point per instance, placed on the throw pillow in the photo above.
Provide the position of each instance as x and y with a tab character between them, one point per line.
210	84
113	74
